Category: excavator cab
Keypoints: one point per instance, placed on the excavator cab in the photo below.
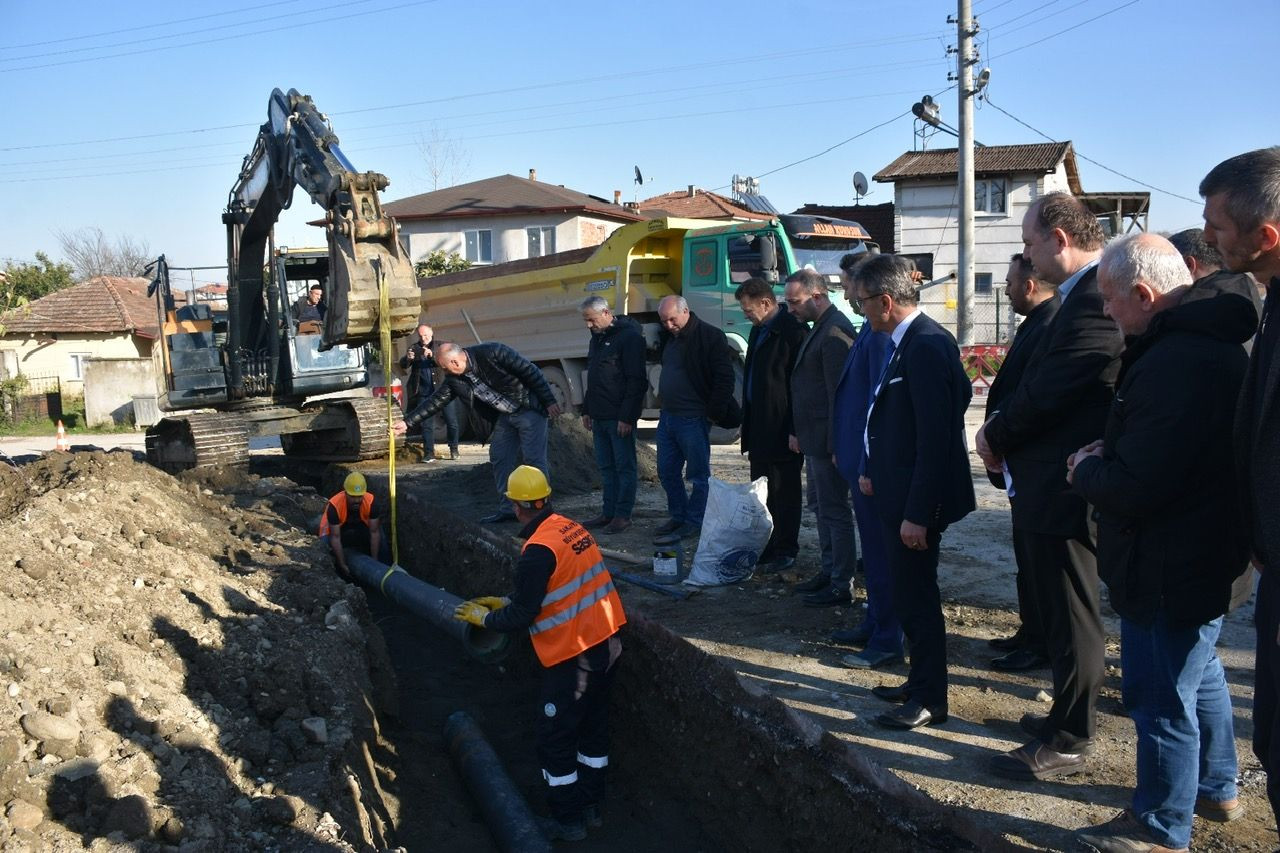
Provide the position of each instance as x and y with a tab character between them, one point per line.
308	368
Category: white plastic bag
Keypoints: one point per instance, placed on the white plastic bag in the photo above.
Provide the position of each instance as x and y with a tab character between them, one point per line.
735	529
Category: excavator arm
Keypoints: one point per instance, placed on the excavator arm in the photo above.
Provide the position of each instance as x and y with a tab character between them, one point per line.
297	147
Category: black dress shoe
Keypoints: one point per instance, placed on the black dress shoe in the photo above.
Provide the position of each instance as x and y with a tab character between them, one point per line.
1020	660
891	692
1037	761
601	520
668	526
773	565
912	715
820	581
498	517
828	597
1033	724
859	635
1007	644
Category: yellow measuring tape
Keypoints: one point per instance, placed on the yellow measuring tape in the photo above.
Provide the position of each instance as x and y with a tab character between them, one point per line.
384	330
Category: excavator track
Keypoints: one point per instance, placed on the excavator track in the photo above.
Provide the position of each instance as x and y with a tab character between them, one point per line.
364	436
198	441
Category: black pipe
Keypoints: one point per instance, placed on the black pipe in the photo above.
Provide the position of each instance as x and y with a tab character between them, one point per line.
431	603
506	813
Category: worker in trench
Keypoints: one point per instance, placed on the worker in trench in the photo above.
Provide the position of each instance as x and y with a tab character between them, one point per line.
565	597
349	523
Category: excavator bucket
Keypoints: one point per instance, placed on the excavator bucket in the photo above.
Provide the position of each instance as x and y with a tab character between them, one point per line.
364	248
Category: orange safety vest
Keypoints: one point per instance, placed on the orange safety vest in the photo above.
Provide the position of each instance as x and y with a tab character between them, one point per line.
339	502
581	607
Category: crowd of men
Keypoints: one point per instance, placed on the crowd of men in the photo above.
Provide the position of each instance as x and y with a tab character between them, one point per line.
1131	425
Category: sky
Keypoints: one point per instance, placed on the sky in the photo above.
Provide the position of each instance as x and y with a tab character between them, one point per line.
134	117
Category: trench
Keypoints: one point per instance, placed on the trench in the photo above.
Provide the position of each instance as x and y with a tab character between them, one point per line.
699	761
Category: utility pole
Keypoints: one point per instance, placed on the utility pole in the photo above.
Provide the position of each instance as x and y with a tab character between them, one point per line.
965	31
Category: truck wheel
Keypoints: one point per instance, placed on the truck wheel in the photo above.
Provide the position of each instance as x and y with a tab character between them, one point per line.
560	388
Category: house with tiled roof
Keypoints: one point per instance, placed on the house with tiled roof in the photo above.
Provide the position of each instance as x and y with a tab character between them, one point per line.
506	218
57	335
694	203
1007	179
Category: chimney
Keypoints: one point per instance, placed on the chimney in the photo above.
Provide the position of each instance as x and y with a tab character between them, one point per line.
692	190
617	196
533	174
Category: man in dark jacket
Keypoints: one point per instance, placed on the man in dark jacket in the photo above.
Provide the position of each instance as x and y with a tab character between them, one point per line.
503	387
1170	537
616	383
1038	302
1060	403
775	339
1242	221
419	362
695	390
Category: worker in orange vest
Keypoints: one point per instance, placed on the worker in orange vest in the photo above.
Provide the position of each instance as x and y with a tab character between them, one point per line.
349	522
564	596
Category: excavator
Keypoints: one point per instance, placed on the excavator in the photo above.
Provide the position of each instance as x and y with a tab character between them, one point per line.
257	369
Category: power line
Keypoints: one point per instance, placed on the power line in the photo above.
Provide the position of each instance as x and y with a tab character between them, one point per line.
1091	160
1040	20
1031	11
140	27
1061	32
993	8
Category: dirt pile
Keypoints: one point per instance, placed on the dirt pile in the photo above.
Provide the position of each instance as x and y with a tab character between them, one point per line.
179	669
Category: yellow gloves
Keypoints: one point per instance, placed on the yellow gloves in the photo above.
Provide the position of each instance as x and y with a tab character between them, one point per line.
472	612
493	602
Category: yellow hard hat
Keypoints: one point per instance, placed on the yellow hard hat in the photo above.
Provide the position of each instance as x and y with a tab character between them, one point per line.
527	483
355	484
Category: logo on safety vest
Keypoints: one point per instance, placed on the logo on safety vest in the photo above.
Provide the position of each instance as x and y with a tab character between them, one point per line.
549	709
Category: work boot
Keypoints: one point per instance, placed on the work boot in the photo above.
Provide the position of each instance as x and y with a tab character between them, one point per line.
555	830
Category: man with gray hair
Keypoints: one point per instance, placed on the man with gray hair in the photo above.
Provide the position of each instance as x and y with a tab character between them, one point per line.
1171	540
1242	221
614	397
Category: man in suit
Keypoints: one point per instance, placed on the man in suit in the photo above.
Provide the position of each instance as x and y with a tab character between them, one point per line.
1038	302
879	633
775	339
813	388
1060	405
420	363
917	471
1242	221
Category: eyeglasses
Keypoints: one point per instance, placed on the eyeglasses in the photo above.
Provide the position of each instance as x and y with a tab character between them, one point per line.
859	303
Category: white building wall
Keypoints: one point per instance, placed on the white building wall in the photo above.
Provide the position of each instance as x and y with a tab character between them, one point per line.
926	221
34	356
510	238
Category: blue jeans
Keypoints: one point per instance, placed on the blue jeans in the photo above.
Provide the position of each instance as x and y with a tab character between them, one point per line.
450	415
684	452
829	498
616	458
1176	694
519	436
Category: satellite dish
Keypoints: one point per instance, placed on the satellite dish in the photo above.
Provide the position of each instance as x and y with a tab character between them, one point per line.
859	183
639	177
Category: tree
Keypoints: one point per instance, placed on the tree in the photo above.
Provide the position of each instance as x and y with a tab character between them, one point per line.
92	254
446	160
440	262
27	282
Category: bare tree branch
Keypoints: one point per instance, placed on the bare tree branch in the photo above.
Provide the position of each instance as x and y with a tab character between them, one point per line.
444	158
91	253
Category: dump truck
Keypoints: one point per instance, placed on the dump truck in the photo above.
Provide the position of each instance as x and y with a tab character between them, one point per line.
533	305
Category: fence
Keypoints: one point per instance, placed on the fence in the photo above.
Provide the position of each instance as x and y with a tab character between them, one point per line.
38	398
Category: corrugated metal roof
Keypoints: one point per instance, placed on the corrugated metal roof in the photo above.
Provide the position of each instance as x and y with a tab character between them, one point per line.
1040	158
505	195
102	304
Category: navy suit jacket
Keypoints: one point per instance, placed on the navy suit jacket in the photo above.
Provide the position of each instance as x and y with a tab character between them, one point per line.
918	462
862	367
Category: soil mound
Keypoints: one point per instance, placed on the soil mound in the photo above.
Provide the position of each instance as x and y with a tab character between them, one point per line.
178	668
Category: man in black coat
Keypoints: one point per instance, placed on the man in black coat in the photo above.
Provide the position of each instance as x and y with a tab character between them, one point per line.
918	472
503	387
775	339
695	390
616	384
1038	302
420	364
1171	541
1242	221
1060	404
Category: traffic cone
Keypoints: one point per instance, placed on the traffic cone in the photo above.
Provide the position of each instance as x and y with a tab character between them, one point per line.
62	443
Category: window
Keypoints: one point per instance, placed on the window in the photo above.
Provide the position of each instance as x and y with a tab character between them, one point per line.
982	282
77	364
478	246
988	196
542	241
